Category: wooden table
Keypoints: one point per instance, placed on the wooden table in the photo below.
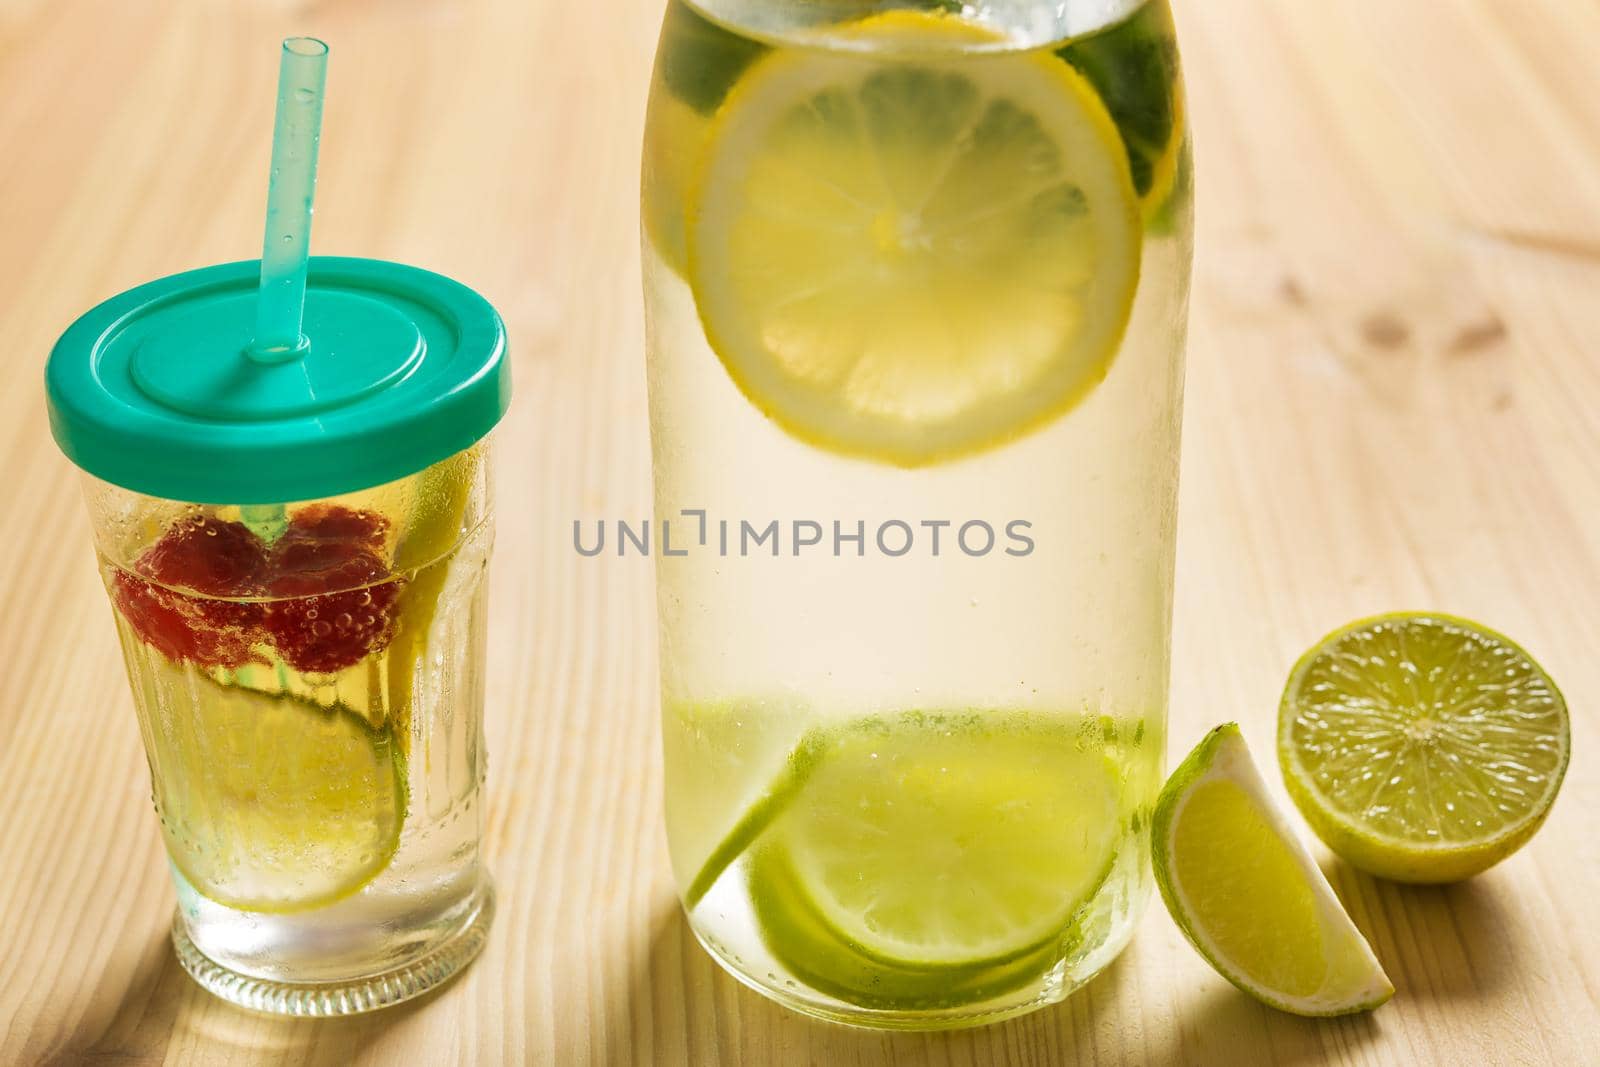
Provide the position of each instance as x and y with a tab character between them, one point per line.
1394	401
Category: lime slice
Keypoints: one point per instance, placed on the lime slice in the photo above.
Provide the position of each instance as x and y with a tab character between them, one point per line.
735	743
1248	895
270	803
946	841
912	256
674	137
813	950
1134	67
696	63
697	60
1422	748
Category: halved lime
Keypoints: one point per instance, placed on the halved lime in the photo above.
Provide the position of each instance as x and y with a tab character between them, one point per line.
1248	895
926	841
271	803
909	255
1422	747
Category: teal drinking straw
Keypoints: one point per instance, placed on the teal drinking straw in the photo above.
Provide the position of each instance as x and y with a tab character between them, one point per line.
302	73
286	244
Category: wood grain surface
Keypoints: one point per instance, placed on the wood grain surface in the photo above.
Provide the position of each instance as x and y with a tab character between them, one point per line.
1394	401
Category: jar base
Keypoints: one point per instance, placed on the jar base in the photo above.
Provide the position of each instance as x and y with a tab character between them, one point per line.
433	967
1051	988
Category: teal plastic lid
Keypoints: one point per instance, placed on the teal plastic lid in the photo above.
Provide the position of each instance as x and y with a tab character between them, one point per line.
155	391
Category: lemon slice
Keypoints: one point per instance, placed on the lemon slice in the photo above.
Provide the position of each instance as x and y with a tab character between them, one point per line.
1248	895
945	840
909	255
270	803
1422	748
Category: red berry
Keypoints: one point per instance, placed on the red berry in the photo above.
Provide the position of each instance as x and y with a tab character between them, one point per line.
307	568
208	556
338	524
212	633
339	599
211	558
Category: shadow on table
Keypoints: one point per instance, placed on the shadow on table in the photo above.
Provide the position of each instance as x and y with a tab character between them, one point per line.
1442	941
163	1015
1439	942
690	1010
1222	1027
684	1008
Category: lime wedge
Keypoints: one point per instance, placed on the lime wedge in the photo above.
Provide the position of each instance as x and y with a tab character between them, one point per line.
435	524
954	841
271	803
907	256
1248	895
1422	748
